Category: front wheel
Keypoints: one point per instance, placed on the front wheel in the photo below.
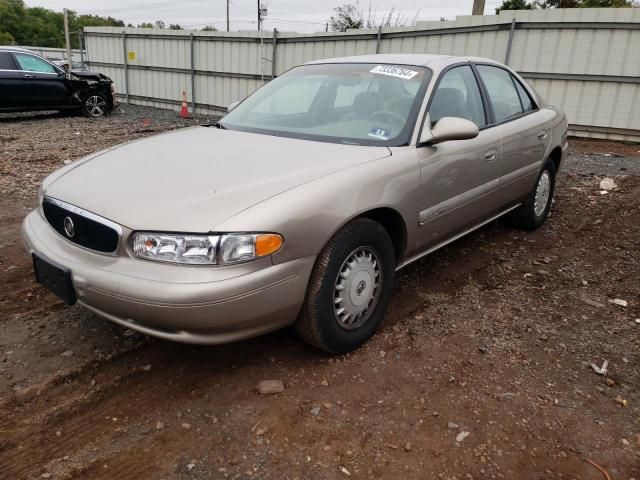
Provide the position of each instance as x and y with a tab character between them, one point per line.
350	288
95	104
533	212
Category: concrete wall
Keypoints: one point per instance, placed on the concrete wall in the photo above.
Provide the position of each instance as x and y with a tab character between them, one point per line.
584	60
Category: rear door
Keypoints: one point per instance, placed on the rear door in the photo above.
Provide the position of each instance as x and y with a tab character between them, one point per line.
11	83
524	128
458	178
44	84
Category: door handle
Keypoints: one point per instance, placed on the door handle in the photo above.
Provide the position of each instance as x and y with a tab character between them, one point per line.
26	75
490	155
542	135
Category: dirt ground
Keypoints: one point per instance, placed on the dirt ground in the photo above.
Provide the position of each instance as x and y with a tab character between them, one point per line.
480	371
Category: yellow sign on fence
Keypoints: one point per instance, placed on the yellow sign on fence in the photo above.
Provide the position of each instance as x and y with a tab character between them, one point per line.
132	55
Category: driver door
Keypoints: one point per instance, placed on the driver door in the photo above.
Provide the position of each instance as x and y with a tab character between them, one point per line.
459	179
43	84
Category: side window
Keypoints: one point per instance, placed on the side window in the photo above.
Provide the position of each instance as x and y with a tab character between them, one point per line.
5	62
458	95
502	92
527	103
30	63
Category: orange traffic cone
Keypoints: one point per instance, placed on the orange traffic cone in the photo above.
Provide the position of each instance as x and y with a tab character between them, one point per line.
184	111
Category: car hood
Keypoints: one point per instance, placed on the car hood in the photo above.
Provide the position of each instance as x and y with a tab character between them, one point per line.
192	179
84	75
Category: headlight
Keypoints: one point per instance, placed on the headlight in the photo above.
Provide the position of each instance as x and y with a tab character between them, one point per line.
222	249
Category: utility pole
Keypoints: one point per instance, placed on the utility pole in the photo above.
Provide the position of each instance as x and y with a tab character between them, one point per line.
66	38
227	15
478	7
259	16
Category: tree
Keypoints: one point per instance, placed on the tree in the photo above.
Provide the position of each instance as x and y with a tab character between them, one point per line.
348	16
42	27
529	5
159	24
515	5
175	26
146	25
6	38
209	28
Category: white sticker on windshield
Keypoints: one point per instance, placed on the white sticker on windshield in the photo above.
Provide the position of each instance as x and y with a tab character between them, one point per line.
394	71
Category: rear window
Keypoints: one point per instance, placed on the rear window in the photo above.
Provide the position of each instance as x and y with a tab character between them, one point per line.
6	63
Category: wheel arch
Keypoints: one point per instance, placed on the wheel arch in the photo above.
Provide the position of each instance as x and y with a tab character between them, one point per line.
556	157
393	222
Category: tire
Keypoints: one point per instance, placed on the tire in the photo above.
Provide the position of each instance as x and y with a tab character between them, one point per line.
95	105
354	258
529	216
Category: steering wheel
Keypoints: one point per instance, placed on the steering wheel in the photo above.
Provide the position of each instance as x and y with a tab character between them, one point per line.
385	115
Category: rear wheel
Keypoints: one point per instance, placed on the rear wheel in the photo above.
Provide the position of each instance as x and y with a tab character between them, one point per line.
95	104
535	209
350	288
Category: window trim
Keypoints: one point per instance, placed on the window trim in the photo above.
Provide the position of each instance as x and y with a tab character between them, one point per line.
513	77
487	115
534	104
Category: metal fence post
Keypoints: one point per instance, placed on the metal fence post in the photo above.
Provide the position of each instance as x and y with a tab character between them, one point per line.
273	53
80	41
510	41
379	39
193	76
126	66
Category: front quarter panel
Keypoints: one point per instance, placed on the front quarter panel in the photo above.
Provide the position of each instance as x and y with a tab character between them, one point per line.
309	215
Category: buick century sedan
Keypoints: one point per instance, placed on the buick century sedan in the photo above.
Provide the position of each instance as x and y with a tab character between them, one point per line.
299	206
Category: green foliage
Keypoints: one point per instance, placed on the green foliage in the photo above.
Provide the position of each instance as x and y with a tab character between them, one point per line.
515	5
6	38
529	5
42	27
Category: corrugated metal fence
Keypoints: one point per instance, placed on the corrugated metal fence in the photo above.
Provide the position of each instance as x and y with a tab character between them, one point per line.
585	60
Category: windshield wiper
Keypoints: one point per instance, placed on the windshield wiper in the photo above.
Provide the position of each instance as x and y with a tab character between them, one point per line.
215	124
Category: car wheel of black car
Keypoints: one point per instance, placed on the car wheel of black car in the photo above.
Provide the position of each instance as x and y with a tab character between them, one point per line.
533	212
95	104
350	288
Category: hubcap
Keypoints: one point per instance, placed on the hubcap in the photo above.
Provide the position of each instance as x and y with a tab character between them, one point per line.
357	288
95	106
542	193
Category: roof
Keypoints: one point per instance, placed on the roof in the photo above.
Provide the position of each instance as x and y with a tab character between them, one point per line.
417	59
14	49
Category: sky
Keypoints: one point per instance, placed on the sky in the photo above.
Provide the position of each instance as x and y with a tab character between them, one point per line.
285	15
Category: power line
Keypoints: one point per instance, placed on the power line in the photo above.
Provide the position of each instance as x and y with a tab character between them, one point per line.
166	3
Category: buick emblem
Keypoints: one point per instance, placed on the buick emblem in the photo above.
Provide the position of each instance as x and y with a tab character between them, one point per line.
69	228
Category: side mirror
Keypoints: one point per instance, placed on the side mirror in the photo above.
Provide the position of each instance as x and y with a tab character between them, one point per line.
232	106
448	128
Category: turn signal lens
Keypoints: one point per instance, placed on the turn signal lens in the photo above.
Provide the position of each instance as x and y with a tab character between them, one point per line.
268	243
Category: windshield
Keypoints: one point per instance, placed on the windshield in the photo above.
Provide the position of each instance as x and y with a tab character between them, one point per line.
362	104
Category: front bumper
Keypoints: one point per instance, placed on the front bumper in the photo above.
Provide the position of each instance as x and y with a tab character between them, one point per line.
207	305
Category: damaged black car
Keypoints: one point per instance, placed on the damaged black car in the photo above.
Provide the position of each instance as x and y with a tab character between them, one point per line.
29	82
